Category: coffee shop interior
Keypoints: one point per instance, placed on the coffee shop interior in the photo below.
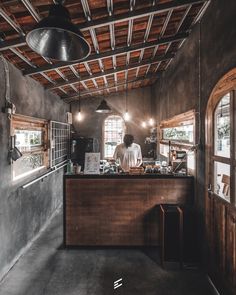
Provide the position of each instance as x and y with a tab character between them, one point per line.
117	140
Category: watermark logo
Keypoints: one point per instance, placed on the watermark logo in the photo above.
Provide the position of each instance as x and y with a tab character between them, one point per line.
118	283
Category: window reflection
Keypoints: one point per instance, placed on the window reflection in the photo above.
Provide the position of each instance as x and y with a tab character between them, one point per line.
222	127
222	180
179	133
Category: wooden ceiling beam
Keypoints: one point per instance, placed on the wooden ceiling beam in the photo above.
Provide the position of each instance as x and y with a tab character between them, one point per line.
101	89
111	53
139	13
112	71
106	21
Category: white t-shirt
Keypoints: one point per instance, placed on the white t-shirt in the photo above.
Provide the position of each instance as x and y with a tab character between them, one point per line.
128	156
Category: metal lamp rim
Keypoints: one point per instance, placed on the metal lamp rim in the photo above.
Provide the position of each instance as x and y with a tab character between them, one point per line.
58	29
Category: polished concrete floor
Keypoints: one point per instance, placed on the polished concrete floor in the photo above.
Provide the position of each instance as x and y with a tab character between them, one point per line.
48	269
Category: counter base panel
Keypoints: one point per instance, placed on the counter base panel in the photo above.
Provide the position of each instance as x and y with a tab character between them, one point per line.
119	212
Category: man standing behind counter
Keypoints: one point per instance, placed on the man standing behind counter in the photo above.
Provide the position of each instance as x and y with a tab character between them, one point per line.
128	153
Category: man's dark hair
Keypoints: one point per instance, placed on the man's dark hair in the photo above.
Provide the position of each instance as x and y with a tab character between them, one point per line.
128	139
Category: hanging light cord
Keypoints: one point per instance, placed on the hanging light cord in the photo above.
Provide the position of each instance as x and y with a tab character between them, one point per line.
79	85
199	85
126	96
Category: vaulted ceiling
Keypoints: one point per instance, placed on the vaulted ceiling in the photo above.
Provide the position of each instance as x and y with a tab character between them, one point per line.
132	42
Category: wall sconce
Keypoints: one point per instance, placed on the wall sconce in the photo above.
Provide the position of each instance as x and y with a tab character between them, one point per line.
150	122
144	124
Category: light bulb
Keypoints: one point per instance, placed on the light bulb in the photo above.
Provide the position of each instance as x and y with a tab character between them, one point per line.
144	124
151	122
126	116
79	116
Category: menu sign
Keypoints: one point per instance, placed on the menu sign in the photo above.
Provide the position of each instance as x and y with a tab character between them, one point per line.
92	163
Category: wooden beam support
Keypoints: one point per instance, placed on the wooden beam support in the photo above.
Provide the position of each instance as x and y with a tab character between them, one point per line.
139	13
111	53
131	15
112	71
100	89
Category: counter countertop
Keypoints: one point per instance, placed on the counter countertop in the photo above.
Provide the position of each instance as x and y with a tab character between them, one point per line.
112	176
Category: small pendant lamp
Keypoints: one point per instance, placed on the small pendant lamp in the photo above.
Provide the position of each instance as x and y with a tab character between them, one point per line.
56	37
103	108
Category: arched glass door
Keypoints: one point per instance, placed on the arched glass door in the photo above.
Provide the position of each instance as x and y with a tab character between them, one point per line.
222	157
220	183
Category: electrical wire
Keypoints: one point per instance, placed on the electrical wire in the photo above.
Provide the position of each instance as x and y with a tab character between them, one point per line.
199	85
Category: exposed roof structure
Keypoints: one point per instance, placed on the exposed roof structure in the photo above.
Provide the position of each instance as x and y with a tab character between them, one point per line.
132	42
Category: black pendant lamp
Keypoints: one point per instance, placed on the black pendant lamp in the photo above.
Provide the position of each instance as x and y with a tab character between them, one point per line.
56	37
103	107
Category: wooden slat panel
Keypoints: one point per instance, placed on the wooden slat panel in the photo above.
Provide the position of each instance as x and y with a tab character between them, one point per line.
119	211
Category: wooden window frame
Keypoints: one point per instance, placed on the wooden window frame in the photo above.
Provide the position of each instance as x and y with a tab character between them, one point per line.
30	123
187	118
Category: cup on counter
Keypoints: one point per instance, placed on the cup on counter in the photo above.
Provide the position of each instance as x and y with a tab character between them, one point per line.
77	169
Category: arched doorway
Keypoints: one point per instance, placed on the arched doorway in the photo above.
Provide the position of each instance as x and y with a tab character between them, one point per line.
220	183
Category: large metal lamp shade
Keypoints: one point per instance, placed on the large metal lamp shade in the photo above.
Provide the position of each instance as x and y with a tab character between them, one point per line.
103	107
56	37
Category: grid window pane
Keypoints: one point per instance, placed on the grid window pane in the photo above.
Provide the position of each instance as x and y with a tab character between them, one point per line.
60	136
113	134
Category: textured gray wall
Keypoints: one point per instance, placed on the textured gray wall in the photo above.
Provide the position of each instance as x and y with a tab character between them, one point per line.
178	89
139	106
24	212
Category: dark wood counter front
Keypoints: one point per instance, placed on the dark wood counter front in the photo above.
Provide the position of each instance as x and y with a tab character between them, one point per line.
119	210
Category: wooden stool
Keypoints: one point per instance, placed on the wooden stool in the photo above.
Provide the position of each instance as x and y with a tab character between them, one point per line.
165	213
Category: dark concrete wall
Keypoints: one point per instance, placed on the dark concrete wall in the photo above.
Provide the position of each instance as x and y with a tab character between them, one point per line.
23	212
178	90
139	106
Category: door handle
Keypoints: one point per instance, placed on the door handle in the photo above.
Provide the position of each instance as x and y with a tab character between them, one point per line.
210	189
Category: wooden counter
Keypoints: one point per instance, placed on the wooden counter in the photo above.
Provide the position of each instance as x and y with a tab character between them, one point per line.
119	210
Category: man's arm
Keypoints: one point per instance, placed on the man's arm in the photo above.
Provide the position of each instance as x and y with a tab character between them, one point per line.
140	158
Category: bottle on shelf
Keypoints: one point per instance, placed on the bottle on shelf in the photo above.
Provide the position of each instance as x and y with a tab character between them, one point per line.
69	168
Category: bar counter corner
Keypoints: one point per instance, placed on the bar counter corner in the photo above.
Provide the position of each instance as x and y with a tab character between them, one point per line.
119	209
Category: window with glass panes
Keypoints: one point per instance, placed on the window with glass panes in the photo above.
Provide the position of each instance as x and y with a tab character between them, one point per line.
31	137
114	129
223	155
180	132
